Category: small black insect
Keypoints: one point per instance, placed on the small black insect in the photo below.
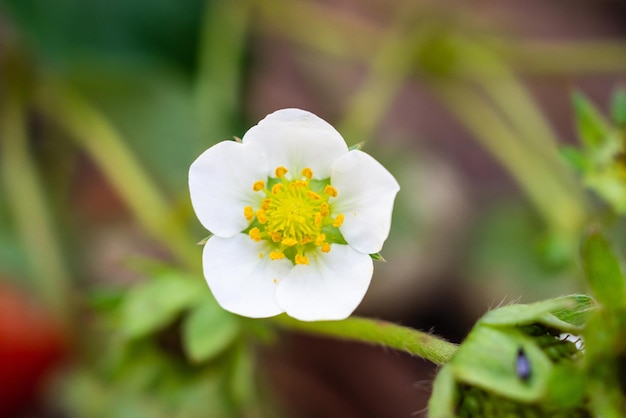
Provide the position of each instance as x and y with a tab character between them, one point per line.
522	365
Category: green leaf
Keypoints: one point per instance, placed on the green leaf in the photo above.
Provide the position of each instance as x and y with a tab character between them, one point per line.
575	158
592	127
153	305
208	330
618	107
603	271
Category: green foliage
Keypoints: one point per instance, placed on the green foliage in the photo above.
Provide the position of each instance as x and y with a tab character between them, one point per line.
514	362
602	158
208	330
154	304
603	272
605	342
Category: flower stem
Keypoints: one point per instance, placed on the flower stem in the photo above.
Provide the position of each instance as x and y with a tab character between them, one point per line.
387	334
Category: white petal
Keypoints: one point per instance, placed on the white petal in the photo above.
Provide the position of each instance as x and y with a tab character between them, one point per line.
330	288
242	281
220	185
366	191
296	139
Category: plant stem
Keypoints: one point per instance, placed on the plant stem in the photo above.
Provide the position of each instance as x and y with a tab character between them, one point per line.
386	334
104	144
26	199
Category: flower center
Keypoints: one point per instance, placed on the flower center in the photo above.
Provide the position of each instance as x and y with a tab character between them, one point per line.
295	216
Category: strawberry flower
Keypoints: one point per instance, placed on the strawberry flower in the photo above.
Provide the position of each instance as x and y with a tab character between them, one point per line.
294	215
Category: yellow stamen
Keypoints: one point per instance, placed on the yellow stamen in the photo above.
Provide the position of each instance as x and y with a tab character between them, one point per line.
261	216
258	185
255	234
276	236
306	240
302	259
307	172
281	171
277	255
300	183
313	195
265	204
289	242
276	188
324	209
325	247
330	190
320	240
318	219
338	221
248	212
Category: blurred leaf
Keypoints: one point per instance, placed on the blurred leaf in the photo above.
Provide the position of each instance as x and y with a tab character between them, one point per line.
575	158
603	271
593	129
242	377
618	107
152	305
208	330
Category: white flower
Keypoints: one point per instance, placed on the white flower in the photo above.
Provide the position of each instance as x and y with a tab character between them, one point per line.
294	216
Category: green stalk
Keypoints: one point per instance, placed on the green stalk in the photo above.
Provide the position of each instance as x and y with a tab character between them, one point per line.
220	71
27	202
553	201
386	334
105	146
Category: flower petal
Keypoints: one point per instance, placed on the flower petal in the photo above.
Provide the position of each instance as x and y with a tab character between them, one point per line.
220	184
366	191
241	281
296	139
330	288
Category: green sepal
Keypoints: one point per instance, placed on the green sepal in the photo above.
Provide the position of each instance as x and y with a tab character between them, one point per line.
357	146
378	257
603	271
204	240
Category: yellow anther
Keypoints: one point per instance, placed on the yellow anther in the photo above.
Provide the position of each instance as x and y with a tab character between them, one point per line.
265	204
320	240
306	240
277	255
330	190
338	221
276	236
318	219
258	185
261	216
248	212
277	188
313	195
324	209
325	247
301	259
289	242
307	172
255	234
281	171
300	183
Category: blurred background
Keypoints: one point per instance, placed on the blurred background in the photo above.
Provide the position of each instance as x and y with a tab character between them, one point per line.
105	104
